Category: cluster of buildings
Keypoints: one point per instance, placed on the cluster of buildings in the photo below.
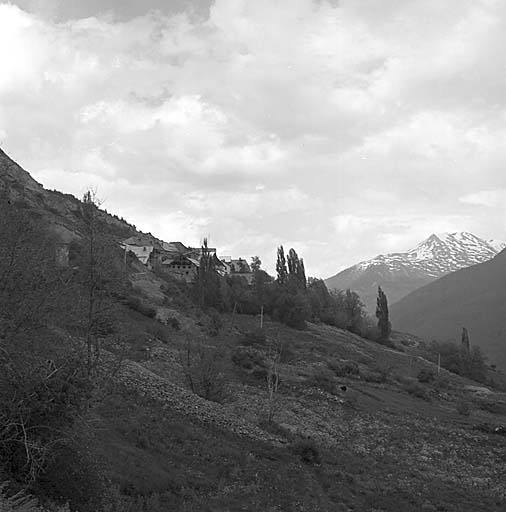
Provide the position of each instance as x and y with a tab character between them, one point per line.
180	261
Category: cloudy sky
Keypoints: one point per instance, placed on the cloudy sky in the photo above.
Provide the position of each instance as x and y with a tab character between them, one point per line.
343	128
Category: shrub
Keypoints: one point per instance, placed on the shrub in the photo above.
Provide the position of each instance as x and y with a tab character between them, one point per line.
137	305
463	408
426	376
173	323
307	450
343	368
415	389
16	503
495	407
253	337
204	368
247	359
324	379
442	381
374	377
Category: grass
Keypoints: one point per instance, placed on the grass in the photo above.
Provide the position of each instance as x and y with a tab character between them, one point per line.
379	445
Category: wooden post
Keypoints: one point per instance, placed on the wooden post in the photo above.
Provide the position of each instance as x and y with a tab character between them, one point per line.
262	317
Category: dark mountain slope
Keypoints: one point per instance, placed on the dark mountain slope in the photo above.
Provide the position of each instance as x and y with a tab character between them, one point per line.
62	212
474	297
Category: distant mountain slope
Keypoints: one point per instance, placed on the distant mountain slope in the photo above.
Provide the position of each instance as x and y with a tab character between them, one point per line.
474	298
401	273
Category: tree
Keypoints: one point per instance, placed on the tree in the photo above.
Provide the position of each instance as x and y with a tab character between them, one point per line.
210	289
256	264
43	382
97	279
465	341
349	310
296	271
281	266
384	325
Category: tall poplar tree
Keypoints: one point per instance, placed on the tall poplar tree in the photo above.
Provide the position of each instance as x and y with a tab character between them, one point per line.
384	325
281	266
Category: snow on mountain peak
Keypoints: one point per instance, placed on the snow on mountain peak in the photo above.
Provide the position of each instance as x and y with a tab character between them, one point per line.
442	253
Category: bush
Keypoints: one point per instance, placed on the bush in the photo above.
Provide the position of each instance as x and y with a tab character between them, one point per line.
205	371
324	379
415	389
253	337
307	450
343	368
247	359
426	376
442	381
374	377
463	408
495	407
292	310
137	305
174	323
159	331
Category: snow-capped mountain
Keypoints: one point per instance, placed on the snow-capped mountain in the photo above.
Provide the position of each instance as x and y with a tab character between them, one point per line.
401	273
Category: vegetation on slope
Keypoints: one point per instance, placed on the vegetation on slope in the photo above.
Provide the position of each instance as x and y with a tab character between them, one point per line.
122	393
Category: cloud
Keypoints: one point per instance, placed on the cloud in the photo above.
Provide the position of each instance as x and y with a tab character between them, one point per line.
345	128
488	198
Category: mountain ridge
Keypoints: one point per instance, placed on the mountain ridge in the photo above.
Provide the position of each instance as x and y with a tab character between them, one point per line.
401	273
472	297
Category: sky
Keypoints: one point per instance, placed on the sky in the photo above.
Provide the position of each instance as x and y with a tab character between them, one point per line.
343	128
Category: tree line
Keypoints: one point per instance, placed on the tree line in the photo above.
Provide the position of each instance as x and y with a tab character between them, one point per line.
290	297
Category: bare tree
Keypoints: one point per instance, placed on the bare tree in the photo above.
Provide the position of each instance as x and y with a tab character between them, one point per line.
274	352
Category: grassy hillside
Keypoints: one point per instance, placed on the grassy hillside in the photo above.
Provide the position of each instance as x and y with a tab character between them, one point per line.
353	429
473	298
146	402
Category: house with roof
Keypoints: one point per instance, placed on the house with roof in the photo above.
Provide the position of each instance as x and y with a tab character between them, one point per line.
181	266
147	249
240	268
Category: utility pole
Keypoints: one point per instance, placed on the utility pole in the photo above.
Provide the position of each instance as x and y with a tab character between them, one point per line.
438	363
262	317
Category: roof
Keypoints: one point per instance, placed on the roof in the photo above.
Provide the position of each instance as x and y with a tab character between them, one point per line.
240	266
174	247
181	259
143	241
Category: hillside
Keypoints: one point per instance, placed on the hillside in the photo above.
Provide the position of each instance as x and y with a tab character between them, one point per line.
401	273
186	409
60	212
473	298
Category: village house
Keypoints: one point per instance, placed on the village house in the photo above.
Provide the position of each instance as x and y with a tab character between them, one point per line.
147	249
180	261
241	268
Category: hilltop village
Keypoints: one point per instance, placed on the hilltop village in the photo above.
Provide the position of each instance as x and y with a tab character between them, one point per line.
180	261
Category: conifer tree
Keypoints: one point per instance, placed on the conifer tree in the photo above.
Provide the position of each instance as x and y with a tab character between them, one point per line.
384	324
